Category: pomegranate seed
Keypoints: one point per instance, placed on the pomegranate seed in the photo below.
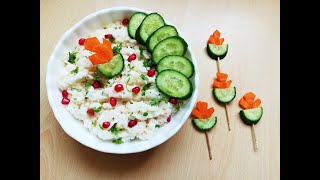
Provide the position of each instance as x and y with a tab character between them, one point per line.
132	123
125	22
65	93
90	112
81	41
151	72
132	57
96	84
107	36
113	101
65	100
105	124
118	87
136	90
173	101
169	119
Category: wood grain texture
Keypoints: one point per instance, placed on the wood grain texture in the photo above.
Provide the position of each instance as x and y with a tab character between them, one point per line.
252	30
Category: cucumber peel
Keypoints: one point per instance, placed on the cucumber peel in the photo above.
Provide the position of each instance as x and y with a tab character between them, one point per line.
251	116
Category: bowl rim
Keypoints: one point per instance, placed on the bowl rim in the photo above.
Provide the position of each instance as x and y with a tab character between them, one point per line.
98	148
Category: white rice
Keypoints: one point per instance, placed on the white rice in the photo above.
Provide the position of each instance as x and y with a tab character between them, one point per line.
129	106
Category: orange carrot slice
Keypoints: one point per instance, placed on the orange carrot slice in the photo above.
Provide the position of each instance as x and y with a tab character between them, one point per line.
216	33
210	111
201	111
249	96
216	84
211	41
98	59
106	42
90	43
256	103
244	104
216	40
197	113
221	41
221	76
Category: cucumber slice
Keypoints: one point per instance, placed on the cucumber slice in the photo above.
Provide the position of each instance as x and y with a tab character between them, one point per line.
215	51
174	84
113	67
251	116
134	23
205	124
224	95
159	35
148	26
178	63
170	46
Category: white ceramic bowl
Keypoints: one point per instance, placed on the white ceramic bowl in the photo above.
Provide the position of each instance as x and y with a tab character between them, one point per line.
74	127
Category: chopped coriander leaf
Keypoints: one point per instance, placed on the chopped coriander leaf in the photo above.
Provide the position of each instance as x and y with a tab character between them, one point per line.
145	114
164	99
87	84
72	57
79	90
157	126
146	87
114	130
177	107
127	85
130	67
111	39
117	141
116	49
96	76
101	127
94	123
141	52
153	103
144	77
75	71
148	64
74	99
97	109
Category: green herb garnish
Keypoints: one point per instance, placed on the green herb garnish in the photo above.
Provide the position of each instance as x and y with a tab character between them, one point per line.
154	102
117	141
127	84
114	130
79	90
145	114
116	49
157	126
130	67
87	84
72	57
101	127
94	123
97	109
96	76
144	77
141	52
75	71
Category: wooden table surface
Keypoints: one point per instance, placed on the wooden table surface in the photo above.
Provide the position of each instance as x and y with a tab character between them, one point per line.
252	30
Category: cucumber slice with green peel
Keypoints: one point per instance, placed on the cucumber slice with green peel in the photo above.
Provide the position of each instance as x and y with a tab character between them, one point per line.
224	95
174	84
174	45
134	23
159	35
251	116
148	26
205	124
113	67
217	51
178	63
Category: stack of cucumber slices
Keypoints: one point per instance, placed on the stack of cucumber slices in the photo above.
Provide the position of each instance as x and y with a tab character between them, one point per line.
167	49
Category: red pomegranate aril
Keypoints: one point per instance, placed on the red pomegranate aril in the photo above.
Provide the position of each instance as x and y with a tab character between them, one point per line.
118	87
132	123
65	93
113	101
173	101
105	124
169	119
81	41
125	22
96	84
90	112
151	72
107	36
136	90
65	100
132	57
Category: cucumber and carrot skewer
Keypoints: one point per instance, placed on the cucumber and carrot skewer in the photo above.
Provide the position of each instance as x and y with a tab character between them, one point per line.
251	113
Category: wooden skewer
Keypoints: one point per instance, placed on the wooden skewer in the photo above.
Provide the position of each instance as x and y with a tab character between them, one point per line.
254	139
208	144
225	105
